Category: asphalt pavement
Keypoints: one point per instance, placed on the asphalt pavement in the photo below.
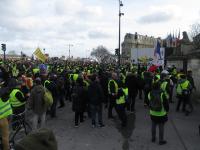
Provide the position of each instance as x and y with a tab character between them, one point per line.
181	132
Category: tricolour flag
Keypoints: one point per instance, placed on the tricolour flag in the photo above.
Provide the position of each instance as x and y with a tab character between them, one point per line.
38	53
157	49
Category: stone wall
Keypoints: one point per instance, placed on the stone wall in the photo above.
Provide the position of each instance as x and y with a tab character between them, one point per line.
177	63
186	48
194	65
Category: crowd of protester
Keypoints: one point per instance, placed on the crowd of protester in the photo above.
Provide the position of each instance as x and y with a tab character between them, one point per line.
89	86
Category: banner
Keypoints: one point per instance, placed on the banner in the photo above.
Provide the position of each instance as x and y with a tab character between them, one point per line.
38	53
148	56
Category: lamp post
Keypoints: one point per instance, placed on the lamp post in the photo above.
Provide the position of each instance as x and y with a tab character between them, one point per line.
70	45
120	14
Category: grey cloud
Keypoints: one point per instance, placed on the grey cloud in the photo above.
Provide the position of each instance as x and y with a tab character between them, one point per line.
98	35
75	26
156	17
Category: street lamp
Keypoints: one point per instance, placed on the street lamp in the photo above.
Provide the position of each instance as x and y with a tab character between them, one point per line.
70	45
120	14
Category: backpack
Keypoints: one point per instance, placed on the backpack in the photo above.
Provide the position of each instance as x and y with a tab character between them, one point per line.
48	98
155	101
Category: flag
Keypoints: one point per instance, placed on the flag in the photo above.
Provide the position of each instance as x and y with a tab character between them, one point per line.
179	35
157	49
38	53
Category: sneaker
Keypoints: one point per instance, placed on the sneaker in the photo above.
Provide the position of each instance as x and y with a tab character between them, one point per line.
162	142
76	126
93	125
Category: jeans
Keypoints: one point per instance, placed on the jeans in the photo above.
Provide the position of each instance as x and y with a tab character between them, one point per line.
36	119
161	130
96	109
4	127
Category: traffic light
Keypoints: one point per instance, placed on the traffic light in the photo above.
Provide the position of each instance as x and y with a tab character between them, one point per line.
136	36
116	51
3	47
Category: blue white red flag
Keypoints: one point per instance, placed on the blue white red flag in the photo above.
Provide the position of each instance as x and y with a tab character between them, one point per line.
157	50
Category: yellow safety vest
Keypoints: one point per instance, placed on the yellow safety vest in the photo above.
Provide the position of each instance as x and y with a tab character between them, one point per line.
86	83
182	86
125	90
46	82
157	113
5	109
163	88
36	70
116	86
75	77
121	100
13	100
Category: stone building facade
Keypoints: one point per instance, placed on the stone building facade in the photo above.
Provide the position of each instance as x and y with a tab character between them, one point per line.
130	41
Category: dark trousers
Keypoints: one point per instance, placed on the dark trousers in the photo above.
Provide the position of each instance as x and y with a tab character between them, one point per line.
53	108
186	103
180	101
112	102
61	98
161	130
15	118
146	92
78	117
140	93
96	109
131	103
120	109
171	93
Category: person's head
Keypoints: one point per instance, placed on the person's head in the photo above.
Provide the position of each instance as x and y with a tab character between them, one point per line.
79	81
189	72
114	75
53	77
93	77
183	76
38	81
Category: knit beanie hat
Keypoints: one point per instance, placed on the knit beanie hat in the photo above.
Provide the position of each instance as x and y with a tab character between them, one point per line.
43	139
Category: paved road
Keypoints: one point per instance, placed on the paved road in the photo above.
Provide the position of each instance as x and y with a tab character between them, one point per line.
181	132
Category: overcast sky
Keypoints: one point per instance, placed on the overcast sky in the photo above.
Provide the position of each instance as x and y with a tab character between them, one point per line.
53	24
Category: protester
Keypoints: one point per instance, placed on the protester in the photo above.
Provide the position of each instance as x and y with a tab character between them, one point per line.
79	98
95	101
159	108
37	104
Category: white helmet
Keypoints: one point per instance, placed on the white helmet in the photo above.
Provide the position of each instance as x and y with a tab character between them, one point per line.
165	72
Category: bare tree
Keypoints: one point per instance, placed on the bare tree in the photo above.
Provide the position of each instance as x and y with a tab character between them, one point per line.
13	52
195	34
102	54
